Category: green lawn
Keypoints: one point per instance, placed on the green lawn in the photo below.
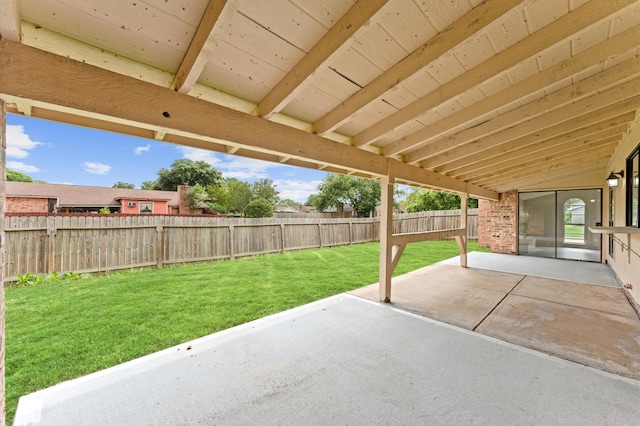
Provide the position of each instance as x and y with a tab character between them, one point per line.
574	231
59	331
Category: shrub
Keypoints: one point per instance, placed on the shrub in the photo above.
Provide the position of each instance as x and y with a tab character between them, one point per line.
259	208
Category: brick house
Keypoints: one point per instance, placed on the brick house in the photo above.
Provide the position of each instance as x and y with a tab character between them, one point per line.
27	197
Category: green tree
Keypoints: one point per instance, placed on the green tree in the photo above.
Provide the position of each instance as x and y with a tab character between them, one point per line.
361	194
259	208
123	185
239	194
187	172
14	176
420	200
148	184
289	203
196	195
264	188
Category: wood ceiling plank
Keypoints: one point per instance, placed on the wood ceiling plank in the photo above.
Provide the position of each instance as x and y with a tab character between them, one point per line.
10	20
546	37
92	93
504	140
333	44
454	34
467	166
505	125
217	14
563	70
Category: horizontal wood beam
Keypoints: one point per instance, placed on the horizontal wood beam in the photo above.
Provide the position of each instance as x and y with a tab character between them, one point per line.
58	83
416	237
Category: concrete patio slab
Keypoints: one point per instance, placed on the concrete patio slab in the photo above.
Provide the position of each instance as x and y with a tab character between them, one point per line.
600	298
591	324
342	360
458	296
592	337
559	269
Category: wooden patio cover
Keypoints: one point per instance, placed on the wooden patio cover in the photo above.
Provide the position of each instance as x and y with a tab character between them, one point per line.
474	97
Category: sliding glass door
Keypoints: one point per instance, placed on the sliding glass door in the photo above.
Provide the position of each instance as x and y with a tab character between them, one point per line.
556	224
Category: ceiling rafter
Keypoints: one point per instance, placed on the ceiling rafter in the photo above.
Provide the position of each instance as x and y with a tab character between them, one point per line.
565	69
526	123
10	20
547	172
489	162
472	22
549	156
217	13
551	34
338	39
541	178
563	127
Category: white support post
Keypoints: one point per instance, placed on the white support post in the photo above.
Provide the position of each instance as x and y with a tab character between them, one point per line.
386	232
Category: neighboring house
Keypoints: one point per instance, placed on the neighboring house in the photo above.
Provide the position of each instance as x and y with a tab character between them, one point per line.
26	197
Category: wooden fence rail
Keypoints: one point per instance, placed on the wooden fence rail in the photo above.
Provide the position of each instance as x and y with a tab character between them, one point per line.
98	243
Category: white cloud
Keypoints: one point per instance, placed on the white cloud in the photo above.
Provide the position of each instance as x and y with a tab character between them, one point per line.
19	166
140	149
230	166
18	142
296	190
96	168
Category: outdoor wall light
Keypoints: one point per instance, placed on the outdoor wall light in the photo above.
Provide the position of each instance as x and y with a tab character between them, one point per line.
612	180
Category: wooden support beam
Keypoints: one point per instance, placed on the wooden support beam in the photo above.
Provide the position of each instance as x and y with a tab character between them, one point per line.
201	47
473	21
97	98
538	81
332	45
417	237
560	29
579	98
462	239
386	241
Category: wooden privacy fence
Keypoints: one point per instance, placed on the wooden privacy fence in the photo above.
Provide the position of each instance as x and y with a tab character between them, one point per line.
98	243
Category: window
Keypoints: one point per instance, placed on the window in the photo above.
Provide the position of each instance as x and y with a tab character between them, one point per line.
633	190
146	208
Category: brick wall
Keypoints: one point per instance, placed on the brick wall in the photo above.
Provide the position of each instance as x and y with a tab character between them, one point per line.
27	205
498	223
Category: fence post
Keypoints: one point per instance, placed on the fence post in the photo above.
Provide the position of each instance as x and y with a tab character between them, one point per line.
51	243
350	231
160	244
320	234
282	237
231	243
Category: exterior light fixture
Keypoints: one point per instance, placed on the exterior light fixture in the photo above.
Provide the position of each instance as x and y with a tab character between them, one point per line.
612	180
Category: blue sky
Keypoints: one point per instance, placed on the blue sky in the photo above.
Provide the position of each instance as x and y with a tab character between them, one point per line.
59	153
